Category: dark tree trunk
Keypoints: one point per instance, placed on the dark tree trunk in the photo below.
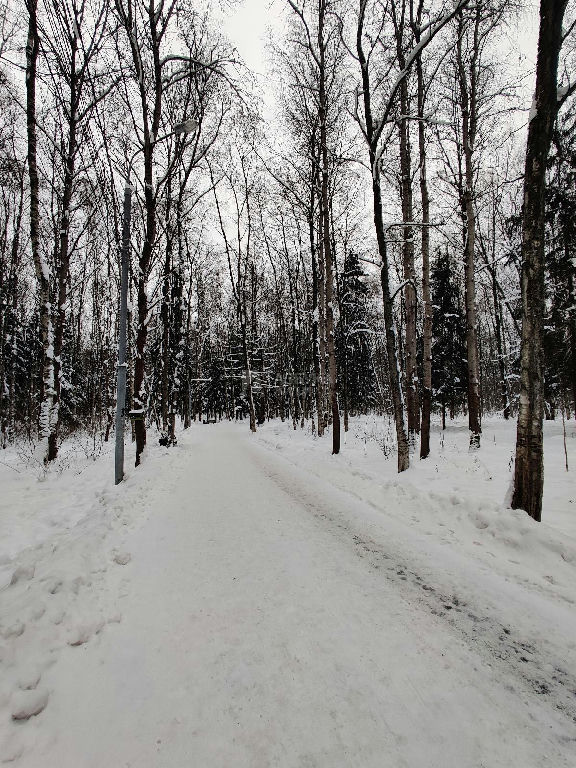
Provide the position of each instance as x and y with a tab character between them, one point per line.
529	466
504	398
321	307
151	115
166	318
572	328
247	363
409	272
8	378
46	329
468	108
62	249
426	297
394	372
328	255
316	326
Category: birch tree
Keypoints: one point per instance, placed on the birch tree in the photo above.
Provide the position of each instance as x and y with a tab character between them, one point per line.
156	67
375	103
73	34
404	42
48	417
241	180
321	40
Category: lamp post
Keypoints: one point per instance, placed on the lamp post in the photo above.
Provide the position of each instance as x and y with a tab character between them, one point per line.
121	370
186	126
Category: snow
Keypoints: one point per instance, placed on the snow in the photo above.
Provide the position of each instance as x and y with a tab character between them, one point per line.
27	703
254	601
122	558
44	268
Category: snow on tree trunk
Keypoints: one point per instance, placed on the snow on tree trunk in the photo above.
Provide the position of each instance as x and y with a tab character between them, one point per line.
394	371
426	298
468	108
47	395
316	330
409	271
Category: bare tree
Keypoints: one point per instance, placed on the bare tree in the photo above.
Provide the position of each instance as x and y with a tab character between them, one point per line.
147	25
467	62
48	416
404	40
321	43
73	34
239	250
375	129
201	94
416	23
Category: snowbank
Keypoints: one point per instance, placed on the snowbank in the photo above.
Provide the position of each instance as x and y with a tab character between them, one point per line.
438	542
61	530
455	499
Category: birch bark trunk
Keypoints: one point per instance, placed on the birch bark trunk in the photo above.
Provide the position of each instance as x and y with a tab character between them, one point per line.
47	393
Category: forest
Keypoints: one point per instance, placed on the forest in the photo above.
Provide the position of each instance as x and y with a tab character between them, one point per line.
287	383
383	225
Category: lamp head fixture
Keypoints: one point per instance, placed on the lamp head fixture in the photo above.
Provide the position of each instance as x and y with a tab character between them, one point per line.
186	126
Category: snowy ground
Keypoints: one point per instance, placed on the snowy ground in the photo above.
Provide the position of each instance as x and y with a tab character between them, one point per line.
255	602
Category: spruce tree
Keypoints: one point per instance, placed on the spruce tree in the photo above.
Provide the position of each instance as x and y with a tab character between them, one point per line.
449	373
352	340
559	339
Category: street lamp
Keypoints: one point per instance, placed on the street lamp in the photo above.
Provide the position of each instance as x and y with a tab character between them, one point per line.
186	126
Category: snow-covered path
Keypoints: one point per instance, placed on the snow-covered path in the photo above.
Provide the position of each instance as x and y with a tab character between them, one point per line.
259	629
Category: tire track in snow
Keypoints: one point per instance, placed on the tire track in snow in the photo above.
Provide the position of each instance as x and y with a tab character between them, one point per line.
526	669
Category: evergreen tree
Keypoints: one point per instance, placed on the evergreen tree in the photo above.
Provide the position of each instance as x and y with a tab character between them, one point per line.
560	323
449	373
352	340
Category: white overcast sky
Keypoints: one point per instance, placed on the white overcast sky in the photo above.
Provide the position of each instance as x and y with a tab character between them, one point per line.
246	24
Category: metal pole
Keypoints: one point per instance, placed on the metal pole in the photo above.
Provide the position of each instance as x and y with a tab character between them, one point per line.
121	370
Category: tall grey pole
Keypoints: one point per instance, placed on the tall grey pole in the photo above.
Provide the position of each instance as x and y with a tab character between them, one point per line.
121	370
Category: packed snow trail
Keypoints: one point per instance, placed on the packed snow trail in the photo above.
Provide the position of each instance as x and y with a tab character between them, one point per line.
255	633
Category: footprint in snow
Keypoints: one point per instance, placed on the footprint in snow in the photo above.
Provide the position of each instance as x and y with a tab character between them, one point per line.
83	631
22	573
14	630
58	616
122	558
12	748
29	680
54	586
37	612
78	582
28	703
